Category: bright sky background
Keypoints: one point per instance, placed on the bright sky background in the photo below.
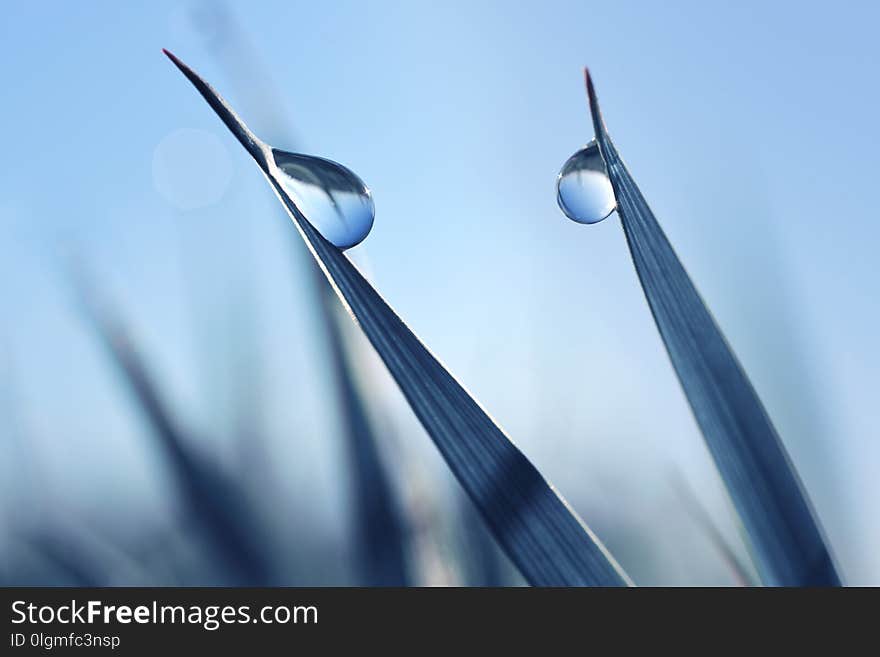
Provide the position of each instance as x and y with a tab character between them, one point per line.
751	128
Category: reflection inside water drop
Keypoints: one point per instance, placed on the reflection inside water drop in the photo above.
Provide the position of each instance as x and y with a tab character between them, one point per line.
583	189
333	199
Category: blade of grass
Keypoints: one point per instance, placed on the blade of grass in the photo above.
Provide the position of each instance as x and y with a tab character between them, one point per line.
785	537
539	531
213	500
381	534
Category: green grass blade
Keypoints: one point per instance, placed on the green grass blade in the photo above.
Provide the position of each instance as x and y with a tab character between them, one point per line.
785	537
540	533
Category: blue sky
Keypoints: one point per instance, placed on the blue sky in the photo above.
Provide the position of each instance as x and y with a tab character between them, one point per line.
750	127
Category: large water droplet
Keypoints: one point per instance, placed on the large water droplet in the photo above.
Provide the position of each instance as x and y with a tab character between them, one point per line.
583	189
334	200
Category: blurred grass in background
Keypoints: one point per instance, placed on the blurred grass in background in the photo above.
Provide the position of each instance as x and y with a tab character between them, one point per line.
458	118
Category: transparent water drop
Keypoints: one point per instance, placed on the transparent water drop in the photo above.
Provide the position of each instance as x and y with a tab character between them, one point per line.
583	189
334	200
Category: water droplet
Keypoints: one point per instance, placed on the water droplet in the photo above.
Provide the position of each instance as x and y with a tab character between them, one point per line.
583	189
334	200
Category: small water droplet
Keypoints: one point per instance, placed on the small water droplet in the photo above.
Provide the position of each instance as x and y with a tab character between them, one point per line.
583	190
334	200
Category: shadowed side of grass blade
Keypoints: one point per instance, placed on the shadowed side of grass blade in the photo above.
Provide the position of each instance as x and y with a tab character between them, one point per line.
785	537
540	533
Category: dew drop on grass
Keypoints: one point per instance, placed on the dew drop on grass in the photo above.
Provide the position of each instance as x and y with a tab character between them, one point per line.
583	189
333	199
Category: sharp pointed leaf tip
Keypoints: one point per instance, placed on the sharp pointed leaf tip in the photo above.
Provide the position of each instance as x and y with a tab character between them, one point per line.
591	93
599	129
176	60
